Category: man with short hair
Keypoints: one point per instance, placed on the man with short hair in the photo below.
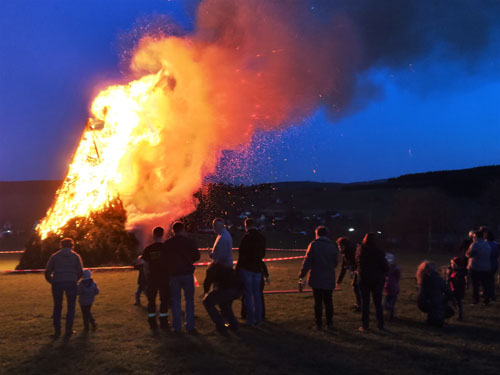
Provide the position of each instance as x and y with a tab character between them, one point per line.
157	279
321	260
181	252
222	251
252	250
63	271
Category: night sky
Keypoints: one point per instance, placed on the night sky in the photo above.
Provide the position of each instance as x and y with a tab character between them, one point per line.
429	112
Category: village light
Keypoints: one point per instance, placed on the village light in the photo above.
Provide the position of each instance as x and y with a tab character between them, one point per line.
351	229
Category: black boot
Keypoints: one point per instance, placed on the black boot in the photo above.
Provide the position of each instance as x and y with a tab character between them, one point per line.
152	323
164	323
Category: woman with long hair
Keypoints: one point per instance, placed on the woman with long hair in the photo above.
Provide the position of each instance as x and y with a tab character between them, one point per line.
433	294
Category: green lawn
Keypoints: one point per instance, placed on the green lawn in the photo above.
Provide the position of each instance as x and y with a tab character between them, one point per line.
285	344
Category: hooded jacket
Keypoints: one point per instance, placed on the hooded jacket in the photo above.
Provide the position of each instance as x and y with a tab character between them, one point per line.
321	260
64	266
87	290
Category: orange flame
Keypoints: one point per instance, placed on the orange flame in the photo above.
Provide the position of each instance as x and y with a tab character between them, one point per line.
152	141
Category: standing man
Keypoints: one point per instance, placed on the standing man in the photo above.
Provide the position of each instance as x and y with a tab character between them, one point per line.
222	252
181	252
63	271
252	250
372	271
479	267
321	260
157	279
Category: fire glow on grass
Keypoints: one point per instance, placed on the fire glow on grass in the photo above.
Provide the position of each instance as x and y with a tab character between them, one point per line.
243	69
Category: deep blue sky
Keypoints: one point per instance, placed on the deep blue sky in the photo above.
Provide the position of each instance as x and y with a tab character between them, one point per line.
55	55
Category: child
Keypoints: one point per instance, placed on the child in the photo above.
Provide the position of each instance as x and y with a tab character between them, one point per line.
457	273
391	287
141	280
87	290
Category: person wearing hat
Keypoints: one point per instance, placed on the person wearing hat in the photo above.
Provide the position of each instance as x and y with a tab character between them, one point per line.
63	270
87	290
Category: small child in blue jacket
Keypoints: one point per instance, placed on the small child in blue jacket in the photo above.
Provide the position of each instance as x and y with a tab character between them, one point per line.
87	290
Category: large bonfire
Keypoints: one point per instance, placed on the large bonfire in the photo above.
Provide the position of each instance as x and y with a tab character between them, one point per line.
150	142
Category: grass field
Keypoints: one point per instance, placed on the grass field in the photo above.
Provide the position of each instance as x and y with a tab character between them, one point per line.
285	344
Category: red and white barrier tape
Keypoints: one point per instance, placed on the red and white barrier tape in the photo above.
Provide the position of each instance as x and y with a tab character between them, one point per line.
115	268
202	249
271	249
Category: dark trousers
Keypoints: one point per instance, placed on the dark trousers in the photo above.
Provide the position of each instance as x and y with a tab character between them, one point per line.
375	290
58	291
323	297
491	280
87	316
355	289
480	278
389	303
154	287
243	306
224	299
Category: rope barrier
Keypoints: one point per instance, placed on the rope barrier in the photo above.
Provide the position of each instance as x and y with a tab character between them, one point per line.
202	249
117	268
12	252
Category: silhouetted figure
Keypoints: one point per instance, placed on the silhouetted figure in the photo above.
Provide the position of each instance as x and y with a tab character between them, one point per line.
391	286
321	260
433	294
226	288
265	280
372	271
63	271
252	250
157	279
141	280
181	252
348	252
479	267
457	281
87	290
490	238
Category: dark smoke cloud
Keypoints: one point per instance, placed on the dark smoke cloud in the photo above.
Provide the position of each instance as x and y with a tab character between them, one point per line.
331	44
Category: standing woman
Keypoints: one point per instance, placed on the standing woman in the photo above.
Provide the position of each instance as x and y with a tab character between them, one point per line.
372	270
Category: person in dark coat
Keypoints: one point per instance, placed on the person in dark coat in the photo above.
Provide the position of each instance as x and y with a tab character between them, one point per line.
226	287
456	278
433	294
490	238
157	279
252	250
181	252
141	280
321	260
372	272
348	252
63	271
391	286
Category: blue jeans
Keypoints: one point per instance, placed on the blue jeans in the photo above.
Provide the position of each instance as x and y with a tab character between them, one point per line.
58	290
252	293
186	283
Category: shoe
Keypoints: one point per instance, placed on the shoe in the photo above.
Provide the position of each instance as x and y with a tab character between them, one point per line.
356	308
222	331
153	324
164	323
330	327
319	328
55	335
363	329
193	332
137	303
68	335
94	326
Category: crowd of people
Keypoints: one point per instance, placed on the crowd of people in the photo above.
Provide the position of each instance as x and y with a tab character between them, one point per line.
166	269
